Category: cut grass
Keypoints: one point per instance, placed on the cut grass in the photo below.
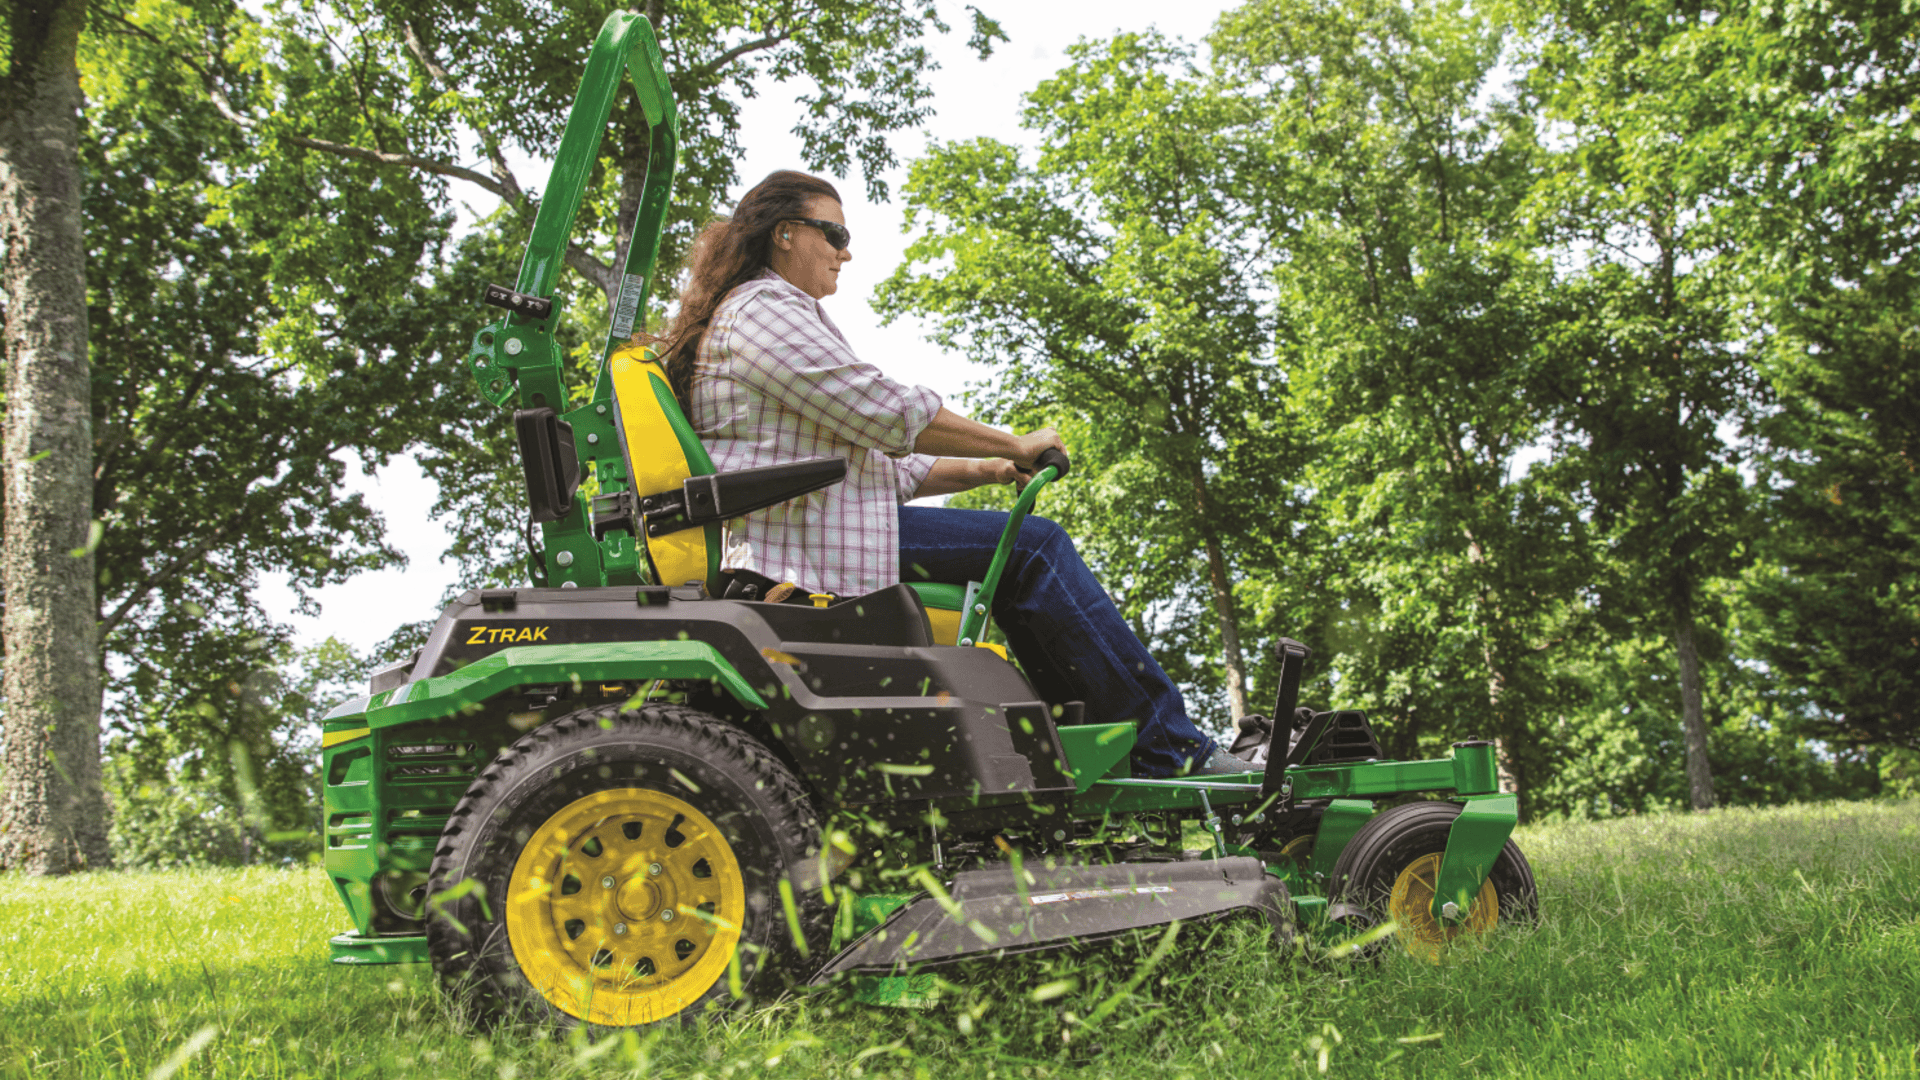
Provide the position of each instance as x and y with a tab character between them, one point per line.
1778	942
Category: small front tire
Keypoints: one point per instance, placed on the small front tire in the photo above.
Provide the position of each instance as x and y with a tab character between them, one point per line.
1390	867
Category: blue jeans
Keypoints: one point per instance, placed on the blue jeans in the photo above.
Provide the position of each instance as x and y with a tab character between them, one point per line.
1062	625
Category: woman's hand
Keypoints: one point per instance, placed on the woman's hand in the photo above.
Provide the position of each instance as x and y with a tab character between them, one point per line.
1033	444
999	471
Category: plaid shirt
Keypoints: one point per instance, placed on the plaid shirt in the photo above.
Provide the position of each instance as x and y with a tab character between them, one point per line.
775	381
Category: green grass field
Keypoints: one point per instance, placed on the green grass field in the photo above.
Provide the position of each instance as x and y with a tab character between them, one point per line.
1781	942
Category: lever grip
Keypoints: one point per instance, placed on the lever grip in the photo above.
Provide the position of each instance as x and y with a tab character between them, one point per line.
1055	458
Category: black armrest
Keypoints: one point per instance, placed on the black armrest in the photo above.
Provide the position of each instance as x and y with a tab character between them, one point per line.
705	499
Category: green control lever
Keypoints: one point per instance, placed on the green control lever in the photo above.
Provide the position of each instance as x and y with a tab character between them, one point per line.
1051	465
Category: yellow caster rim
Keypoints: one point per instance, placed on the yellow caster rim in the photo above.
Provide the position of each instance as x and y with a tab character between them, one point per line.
1410	906
625	907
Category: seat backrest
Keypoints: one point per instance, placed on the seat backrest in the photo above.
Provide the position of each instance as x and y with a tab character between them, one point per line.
662	451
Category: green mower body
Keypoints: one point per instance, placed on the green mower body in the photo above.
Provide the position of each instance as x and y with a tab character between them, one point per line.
613	798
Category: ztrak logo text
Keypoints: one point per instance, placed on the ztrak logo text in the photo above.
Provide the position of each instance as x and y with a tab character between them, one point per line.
497	635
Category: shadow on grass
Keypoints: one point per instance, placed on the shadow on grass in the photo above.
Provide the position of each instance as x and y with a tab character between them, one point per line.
99	1023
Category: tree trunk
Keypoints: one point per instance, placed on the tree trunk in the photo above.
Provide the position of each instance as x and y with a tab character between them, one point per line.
1221	586
52	813
1693	718
1510	729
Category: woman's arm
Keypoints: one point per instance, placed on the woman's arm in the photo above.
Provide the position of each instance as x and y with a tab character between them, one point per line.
950	476
955	436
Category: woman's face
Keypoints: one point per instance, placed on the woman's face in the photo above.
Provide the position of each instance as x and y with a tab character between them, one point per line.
802	255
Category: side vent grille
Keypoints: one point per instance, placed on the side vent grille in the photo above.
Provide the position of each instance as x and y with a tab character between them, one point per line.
424	781
349	830
430	759
1347	738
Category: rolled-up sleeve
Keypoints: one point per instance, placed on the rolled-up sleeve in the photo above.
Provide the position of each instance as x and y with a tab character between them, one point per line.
782	351
911	471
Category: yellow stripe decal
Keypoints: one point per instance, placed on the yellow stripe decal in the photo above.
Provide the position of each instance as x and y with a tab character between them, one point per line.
335	738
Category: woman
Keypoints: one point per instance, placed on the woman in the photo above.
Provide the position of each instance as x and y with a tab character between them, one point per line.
768	378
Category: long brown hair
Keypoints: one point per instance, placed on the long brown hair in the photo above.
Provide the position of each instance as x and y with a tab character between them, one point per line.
727	254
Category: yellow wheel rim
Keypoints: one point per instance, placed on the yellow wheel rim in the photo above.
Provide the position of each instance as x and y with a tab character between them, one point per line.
1411	908
625	907
1299	849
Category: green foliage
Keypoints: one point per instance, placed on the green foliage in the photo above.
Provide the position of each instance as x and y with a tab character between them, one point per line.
1113	283
1761	943
1829	150
246	348
1533	377
235	783
1412	303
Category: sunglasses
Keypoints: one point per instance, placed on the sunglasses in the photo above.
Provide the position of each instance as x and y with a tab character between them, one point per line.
836	233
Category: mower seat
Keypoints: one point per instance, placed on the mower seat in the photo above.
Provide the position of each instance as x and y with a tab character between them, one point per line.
649	421
680	500
662	451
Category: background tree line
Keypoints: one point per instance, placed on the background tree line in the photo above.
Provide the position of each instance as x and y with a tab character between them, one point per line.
1549	369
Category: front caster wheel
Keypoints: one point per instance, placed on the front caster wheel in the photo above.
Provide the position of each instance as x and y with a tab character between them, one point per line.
618	868
1391	867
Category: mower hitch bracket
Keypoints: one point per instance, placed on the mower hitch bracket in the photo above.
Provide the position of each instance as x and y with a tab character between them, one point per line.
1473	843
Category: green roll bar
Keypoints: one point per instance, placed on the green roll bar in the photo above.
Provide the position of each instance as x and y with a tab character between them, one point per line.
516	356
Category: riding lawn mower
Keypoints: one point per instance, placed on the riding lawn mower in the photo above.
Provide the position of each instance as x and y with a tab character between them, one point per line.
643	784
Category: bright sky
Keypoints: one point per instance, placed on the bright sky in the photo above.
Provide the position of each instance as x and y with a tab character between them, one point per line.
972	98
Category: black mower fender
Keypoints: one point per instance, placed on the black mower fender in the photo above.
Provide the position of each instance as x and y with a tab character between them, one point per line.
855	695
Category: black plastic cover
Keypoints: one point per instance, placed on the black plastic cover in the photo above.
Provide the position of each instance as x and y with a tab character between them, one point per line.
890	616
1332	738
1000	911
548	462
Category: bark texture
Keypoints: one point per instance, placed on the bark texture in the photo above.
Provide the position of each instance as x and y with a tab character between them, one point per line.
53	816
1693	717
1220	587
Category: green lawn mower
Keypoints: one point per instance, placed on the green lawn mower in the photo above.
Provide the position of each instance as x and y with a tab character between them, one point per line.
643	784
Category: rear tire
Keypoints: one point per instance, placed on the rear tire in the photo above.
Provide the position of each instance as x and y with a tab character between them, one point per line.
1388	870
619	868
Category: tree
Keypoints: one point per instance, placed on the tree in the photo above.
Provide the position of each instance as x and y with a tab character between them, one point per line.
257	323
52	814
1410	305
1826	152
1114	284
1650	374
